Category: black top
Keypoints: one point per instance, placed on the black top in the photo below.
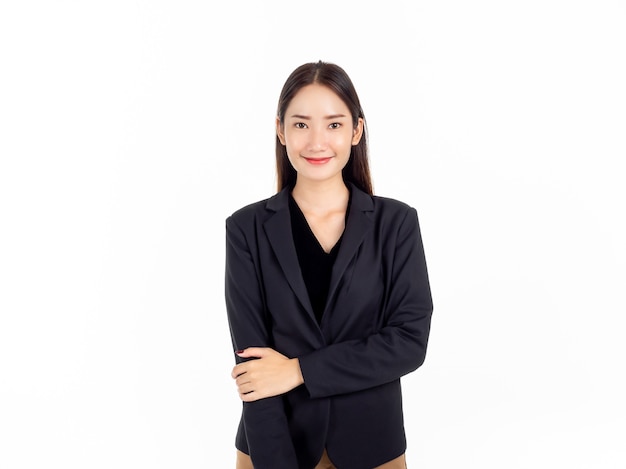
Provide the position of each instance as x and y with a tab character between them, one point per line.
316	264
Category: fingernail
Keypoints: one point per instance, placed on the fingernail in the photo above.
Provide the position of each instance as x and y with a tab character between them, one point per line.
238	351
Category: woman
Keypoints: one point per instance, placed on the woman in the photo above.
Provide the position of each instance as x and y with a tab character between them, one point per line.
327	294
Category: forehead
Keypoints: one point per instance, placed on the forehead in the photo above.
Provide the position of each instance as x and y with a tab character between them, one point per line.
317	99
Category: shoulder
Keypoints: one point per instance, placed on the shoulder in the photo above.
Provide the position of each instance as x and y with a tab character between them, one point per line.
256	211
248	211
396	221
387	208
375	203
386	212
395	216
389	204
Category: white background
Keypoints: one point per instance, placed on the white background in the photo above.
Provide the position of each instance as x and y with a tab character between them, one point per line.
129	130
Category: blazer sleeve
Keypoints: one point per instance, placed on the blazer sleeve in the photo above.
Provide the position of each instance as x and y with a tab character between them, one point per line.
265	421
397	348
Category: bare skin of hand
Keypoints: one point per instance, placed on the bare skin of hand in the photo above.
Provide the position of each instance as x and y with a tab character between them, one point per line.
270	375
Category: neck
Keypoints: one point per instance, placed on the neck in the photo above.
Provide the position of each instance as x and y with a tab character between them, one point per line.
321	195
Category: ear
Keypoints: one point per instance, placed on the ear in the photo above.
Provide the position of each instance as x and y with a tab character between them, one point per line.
357	133
280	131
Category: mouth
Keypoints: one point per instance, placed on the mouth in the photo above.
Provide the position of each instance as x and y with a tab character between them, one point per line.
317	161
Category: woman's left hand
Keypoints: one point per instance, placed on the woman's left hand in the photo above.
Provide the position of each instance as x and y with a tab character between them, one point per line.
270	375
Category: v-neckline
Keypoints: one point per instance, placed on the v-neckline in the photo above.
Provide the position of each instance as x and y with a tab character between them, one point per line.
300	214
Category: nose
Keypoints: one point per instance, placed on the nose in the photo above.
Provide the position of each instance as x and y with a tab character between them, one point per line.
317	140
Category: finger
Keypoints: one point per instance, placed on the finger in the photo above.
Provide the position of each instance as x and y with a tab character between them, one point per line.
249	397
238	370
252	352
245	388
242	379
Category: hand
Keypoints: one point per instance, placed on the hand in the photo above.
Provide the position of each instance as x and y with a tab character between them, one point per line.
270	375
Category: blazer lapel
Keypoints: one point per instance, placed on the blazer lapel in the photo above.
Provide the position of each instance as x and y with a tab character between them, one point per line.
358	224
278	230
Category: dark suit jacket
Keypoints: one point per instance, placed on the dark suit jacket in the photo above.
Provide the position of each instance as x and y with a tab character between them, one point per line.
374	330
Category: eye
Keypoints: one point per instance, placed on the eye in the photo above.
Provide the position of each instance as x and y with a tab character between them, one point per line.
335	125
300	125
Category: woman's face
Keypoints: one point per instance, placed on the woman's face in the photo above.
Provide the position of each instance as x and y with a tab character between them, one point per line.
318	133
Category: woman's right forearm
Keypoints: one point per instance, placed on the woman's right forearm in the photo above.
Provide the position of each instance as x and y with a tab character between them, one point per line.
268	435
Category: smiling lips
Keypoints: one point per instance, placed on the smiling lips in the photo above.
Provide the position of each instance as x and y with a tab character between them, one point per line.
317	160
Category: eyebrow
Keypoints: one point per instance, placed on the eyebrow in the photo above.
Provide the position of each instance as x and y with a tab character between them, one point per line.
332	116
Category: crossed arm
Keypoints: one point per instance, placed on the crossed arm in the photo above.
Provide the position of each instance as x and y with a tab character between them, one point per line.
396	349
265	374
270	375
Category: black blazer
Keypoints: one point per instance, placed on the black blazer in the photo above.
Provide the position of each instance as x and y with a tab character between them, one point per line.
374	330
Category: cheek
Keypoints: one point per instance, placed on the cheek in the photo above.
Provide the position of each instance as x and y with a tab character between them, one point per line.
344	142
294	149
294	141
